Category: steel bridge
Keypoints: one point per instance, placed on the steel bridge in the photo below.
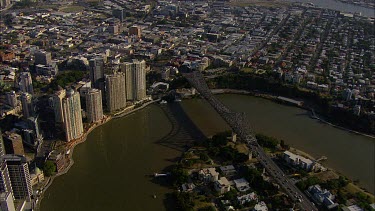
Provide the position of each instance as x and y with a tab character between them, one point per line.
237	122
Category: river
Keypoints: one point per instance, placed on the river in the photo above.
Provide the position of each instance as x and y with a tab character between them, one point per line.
340	6
112	168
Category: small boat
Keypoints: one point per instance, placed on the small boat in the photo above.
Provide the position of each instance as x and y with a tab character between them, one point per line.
160	175
154	196
177	100
163	102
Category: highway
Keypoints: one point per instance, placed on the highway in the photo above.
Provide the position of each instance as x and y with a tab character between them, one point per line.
237	122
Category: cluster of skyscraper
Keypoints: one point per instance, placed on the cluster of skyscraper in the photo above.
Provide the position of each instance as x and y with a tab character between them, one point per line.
24	101
127	83
15	181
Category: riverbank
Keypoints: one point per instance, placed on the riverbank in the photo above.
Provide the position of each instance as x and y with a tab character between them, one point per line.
71	146
274	98
330	173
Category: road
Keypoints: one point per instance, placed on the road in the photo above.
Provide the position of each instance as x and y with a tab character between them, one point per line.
237	122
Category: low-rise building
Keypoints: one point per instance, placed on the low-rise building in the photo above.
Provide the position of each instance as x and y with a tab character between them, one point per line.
322	196
222	185
228	170
352	208
247	198
242	185
208	175
261	206
188	187
58	159
36	176
298	160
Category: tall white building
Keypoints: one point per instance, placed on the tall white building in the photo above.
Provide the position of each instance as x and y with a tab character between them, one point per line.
26	83
57	105
27	105
71	105
94	107
127	68
139	79
115	91
135	73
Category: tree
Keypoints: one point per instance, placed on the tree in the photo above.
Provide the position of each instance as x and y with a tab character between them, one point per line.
268	142
204	156
185	201
304	184
179	176
208	208
282	143
49	168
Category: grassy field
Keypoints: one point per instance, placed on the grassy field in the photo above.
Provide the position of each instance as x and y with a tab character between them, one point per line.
71	8
351	188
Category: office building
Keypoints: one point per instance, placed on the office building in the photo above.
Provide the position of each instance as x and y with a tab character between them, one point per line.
136	31
73	126
13	143
47	70
119	13
42	57
127	69
5	185
94	107
6	202
26	83
57	105
96	67
19	176
115	91
12	99
27	105
135	79
139	79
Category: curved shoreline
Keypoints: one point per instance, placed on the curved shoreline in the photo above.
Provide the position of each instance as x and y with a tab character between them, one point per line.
273	98
105	120
123	114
